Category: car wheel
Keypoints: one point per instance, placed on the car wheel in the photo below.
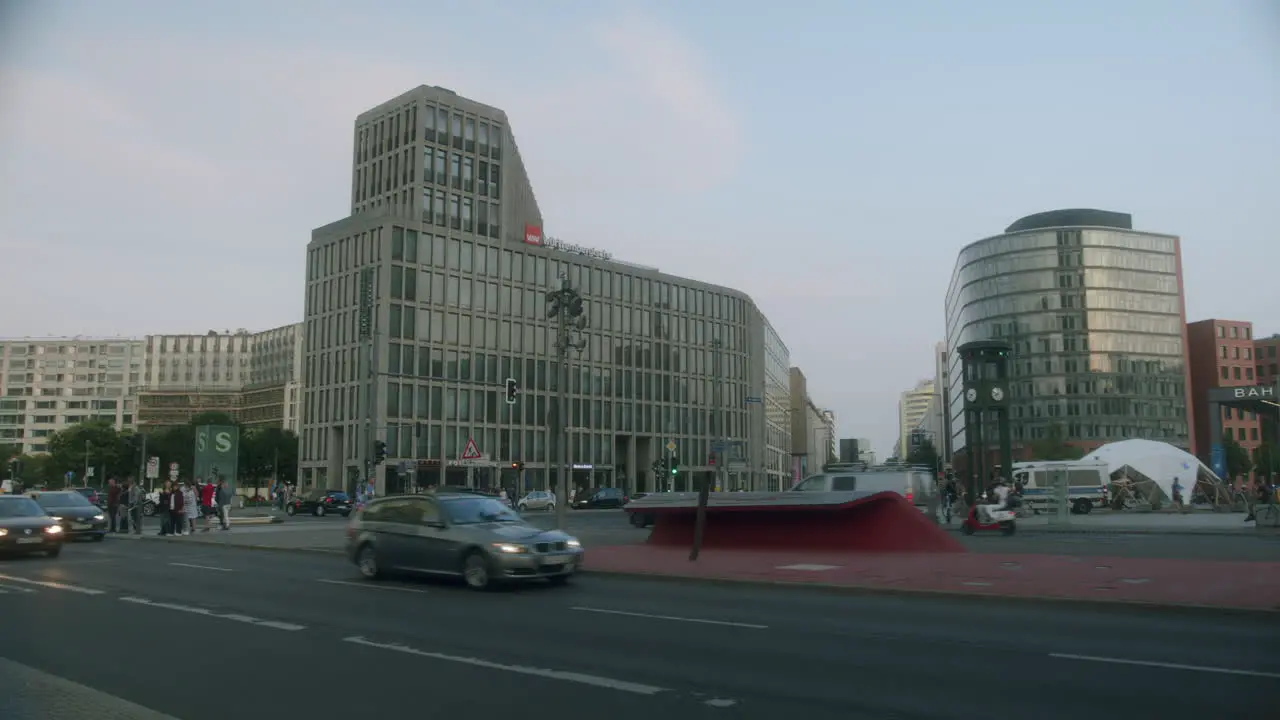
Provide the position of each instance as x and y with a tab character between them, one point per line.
290	510
54	552
319	511
522	507
99	537
367	562
559	580
475	571
149	509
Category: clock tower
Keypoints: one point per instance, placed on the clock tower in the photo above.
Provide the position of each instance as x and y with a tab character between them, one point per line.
985	368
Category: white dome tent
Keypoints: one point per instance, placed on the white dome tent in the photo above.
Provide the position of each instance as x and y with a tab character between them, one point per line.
1157	462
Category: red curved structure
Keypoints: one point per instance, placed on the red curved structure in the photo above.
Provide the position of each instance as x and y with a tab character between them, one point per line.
883	522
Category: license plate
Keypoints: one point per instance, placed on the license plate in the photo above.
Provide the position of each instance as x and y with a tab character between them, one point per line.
80	526
553	567
29	541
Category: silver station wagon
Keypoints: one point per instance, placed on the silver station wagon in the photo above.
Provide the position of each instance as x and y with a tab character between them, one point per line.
476	537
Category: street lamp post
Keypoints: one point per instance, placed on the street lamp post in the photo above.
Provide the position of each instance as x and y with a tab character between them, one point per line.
566	307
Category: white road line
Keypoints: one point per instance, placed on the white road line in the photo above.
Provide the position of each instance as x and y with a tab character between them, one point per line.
581	678
6	589
373	586
52	585
202	567
673	618
275	625
1166	665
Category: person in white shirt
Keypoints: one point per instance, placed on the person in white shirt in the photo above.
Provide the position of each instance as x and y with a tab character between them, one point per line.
1001	491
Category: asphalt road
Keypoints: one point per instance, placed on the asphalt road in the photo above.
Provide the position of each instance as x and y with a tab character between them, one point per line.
199	632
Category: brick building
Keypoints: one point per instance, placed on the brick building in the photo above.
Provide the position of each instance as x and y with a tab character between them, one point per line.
1221	354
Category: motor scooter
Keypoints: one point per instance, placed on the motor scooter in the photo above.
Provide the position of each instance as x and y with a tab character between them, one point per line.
1003	520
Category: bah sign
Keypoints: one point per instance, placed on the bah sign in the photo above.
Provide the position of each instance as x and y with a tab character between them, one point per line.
217	453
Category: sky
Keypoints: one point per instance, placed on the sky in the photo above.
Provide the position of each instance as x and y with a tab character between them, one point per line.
162	164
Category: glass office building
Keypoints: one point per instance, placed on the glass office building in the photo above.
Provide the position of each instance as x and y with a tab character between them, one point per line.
445	218
1094	313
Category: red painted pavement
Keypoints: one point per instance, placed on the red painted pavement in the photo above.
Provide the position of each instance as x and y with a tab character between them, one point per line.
1254	585
884	522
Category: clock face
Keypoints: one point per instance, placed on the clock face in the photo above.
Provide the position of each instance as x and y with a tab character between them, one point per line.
997	394
971	395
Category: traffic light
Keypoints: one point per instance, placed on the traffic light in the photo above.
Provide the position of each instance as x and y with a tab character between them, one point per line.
513	389
15	468
379	452
517	466
673	464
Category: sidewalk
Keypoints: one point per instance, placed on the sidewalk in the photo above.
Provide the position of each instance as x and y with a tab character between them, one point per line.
1219	584
1134	523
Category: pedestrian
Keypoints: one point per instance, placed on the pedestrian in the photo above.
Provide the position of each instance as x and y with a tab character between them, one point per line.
190	505
1177	496
113	504
222	498
137	498
208	506
162	509
177	518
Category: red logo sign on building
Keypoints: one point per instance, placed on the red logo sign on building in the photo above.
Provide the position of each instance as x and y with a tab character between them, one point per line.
532	235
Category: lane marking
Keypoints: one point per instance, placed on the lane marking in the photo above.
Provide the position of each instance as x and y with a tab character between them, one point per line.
350	583
673	618
807	566
273	624
1167	665
6	589
52	585
566	676
202	567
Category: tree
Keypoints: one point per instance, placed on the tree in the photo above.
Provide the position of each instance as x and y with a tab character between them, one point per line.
37	470
1265	459
1237	458
923	453
1054	446
266	453
95	443
1238	461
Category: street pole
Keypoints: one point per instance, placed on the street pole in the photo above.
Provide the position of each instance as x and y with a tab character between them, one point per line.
567	308
704	489
86	463
367	297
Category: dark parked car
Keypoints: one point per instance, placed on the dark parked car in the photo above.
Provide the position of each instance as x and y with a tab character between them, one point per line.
25	528
321	503
77	516
478	538
601	498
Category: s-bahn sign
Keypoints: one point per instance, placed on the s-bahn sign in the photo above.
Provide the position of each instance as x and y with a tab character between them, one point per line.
1243	394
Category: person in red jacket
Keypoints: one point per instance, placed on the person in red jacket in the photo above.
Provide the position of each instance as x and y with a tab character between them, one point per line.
207	508
177	516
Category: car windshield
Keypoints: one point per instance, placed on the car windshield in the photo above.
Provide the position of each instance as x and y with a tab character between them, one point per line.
474	510
62	500
19	507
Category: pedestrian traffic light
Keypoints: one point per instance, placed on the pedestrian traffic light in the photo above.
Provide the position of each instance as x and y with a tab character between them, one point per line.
513	389
673	464
379	452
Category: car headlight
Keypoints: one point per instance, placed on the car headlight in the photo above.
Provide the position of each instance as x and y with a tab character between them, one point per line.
55	517
510	548
99	517
3	532
573	543
53	529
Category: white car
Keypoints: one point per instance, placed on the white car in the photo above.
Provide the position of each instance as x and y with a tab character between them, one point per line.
537	500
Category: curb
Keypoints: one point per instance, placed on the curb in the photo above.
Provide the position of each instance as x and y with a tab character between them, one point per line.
241	546
1036	531
958	595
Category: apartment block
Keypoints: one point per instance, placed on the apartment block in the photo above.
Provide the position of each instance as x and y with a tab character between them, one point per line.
1221	354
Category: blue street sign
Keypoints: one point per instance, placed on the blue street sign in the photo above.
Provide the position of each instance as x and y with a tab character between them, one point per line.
753	400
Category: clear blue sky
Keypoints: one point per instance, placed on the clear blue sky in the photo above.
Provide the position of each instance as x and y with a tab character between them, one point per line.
827	157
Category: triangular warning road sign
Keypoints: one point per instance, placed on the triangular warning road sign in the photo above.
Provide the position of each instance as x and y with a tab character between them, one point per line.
471	452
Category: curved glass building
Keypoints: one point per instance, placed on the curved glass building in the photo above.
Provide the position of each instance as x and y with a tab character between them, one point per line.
1094	312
